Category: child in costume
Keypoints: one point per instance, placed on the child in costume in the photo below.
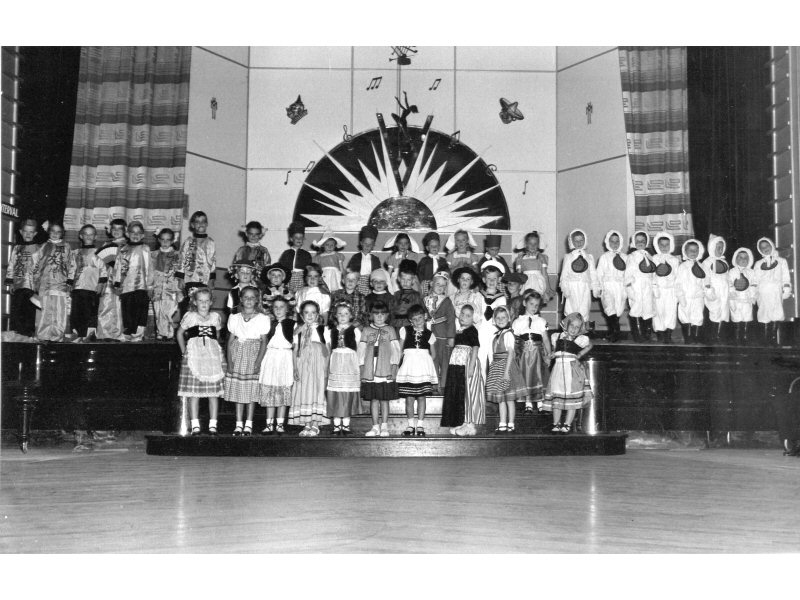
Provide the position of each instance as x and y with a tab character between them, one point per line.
311	367
532	349
378	356
365	262
166	288
492	244
248	329
416	376
533	262
109	310
610	277
198	266
464	402
330	260
717	267
133	276
274	278
691	286
203	363
295	259
343	393
19	278
312	290
406	296
50	274
253	252
491	273
514	300
774	286
742	293
504	383
350	295
442	324
276	377
461	246
431	263
243	272
566	388
639	269
578	278
665	299
87	276
379	280
403	248
466	280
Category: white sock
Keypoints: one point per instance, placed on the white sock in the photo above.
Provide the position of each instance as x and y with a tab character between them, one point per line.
346	421
195	423
239	424
212	422
248	424
502	424
411	422
421	423
337	421
384	426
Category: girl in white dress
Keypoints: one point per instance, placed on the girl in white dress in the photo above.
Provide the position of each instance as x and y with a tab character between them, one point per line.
276	378
312	291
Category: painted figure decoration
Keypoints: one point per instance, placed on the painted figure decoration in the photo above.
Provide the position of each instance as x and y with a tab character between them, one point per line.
296	110
510	111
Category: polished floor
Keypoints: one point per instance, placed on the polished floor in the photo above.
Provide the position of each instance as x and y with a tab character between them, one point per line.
119	500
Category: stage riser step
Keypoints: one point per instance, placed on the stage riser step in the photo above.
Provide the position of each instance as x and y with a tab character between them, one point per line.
353	447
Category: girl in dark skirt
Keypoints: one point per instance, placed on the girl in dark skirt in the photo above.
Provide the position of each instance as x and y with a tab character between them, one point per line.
378	356
417	377
464	402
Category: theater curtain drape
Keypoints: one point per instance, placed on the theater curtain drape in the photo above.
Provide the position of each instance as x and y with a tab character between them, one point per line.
654	97
129	148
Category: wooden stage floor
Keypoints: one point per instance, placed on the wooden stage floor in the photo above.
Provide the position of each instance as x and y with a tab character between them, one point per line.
119	500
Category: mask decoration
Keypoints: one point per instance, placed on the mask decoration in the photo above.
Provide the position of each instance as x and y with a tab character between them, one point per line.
296	110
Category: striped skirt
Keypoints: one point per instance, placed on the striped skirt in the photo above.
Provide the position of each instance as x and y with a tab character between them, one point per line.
296	281
502	389
241	380
417	375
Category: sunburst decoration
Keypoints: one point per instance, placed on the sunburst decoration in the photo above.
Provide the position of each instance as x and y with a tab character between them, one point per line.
422	181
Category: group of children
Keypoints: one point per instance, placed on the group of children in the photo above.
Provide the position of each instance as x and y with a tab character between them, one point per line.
662	289
312	337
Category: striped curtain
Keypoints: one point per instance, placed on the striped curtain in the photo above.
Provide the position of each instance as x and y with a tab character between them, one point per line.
129	148
654	97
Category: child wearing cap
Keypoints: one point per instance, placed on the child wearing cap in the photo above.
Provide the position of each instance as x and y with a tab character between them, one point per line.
295	259
492	244
365	262
253	251
611	278
243	272
578	278
742	294
514	283
379	282
774	285
442	323
431	263
330	259
274	278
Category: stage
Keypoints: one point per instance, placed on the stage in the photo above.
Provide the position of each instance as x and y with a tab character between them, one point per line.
709	391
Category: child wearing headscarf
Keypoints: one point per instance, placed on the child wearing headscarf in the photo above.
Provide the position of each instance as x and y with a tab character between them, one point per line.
665	299
742	293
610	277
774	286
578	277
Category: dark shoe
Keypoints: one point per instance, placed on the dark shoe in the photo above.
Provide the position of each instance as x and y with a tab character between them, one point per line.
668	336
528	410
501	430
686	331
195	431
635	323
337	430
346	430
409	432
660	336
510	428
279	429
420	432
646	329
247	432
212	431
268	430
237	432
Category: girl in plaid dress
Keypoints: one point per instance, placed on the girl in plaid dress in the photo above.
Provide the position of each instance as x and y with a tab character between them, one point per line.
203	364
247	344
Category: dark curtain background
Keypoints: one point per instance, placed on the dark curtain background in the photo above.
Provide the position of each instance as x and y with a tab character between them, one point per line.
729	163
48	93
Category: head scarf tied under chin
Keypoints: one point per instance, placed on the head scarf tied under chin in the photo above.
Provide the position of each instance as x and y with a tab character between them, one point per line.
573	318
572	244
497	311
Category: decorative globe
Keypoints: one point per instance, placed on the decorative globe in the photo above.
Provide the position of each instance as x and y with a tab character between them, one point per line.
402	212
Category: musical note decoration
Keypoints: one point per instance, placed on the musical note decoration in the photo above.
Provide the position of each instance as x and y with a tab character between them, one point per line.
525	188
214	106
296	110
589	110
286	181
402	54
490	169
375	83
435	84
309	166
510	111
455	139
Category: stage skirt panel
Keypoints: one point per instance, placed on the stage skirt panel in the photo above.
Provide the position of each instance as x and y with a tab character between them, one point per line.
531	367
500	389
308	396
241	380
566	386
